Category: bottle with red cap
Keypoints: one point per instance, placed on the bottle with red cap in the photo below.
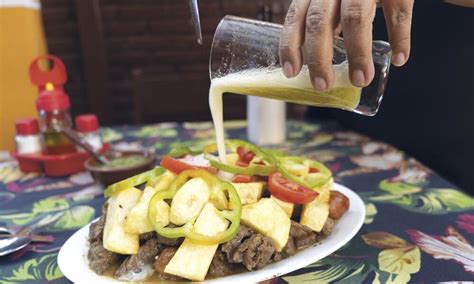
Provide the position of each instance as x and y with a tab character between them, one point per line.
28	139
52	104
87	126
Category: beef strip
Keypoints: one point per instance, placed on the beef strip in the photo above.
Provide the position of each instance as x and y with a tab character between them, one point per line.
220	266
100	259
251	249
139	266
327	228
169	242
256	252
230	246
290	247
162	260
147	236
96	229
302	235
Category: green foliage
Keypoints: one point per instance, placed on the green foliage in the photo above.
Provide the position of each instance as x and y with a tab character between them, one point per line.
434	201
74	214
154	131
44	268
73	218
390	258
370	212
332	269
110	135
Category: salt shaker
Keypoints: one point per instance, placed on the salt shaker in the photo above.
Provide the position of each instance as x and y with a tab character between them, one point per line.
28	139
87	126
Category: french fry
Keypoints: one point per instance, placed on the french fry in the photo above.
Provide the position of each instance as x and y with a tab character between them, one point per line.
315	213
192	260
115	238
269	219
286	206
249	192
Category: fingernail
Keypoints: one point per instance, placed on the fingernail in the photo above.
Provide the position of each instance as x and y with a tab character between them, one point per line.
320	84
358	78
288	69
398	59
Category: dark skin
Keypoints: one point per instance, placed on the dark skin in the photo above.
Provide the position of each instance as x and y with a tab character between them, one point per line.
314	23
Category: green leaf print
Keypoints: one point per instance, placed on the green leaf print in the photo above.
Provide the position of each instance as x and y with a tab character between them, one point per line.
49	205
110	135
390	258
39	209
370	212
437	201
194	145
76	217
158	145
43	268
74	214
155	131
411	197
331	269
398	188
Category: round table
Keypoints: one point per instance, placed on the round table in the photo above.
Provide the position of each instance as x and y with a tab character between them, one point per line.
418	226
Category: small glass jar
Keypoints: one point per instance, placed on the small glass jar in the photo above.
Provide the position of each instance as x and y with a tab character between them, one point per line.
53	109
87	126
28	139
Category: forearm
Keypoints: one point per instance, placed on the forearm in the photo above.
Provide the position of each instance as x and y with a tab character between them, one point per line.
464	3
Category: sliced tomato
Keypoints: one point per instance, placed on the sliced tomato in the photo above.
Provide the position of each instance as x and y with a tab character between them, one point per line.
177	166
242	179
313	170
244	155
289	191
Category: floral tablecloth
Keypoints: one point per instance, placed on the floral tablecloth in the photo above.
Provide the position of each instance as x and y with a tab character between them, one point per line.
418	227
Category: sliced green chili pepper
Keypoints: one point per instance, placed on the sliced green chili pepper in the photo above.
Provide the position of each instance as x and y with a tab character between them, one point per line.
187	230
316	176
267	166
181	151
275	153
133	181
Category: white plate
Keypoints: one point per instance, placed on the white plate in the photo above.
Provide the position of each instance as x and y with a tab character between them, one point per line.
72	258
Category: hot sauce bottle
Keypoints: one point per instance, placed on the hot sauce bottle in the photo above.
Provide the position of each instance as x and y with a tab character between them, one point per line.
53	105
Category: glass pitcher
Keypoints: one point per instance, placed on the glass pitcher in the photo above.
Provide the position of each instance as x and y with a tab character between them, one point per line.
245	60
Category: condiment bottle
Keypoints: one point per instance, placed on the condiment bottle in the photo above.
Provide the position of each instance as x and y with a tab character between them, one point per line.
53	108
28	139
52	104
87	126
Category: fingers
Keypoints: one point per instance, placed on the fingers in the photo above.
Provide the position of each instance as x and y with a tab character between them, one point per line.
356	19
321	21
292	38
338	30
398	15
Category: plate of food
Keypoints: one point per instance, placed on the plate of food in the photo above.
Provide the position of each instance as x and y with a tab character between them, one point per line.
252	216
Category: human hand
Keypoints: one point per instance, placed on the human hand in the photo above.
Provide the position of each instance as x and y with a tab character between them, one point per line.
314	23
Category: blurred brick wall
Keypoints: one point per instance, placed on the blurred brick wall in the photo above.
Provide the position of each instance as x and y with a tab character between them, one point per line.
59	18
151	39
